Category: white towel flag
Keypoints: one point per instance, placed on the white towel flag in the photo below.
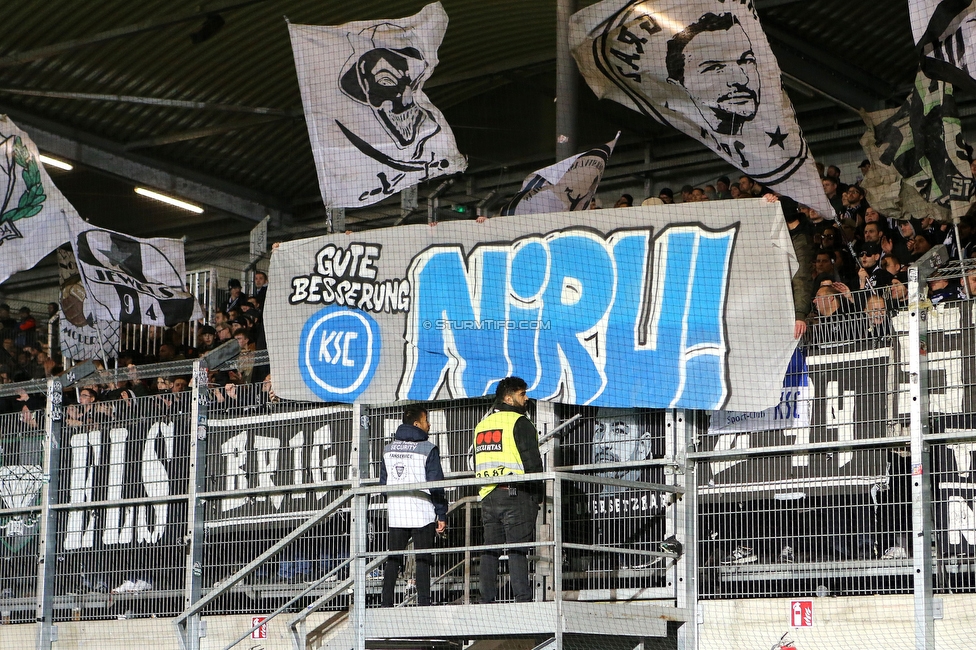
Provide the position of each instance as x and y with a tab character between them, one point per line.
705	68
373	130
566	186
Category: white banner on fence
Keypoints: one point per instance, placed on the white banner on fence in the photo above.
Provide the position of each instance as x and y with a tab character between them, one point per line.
792	411
661	309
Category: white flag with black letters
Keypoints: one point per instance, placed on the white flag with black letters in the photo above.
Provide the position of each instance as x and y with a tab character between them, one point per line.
133	280
566	186
373	130
705	68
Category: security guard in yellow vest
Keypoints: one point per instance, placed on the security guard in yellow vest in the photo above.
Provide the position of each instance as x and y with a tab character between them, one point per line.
506	443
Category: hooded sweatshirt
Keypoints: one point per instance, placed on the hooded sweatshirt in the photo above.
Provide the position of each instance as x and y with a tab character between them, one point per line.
412	458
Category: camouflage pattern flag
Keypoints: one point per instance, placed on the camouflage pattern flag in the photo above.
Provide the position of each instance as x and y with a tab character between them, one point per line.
945	33
567	186
919	160
33	213
373	130
132	280
705	68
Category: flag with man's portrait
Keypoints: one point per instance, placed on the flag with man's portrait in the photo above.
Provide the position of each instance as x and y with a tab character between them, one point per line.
566	186
132	280
705	68
373	130
945	34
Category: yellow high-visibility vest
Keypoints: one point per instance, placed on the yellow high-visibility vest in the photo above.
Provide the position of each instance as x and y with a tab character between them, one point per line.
495	451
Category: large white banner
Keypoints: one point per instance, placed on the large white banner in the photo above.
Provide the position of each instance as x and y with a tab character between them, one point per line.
705	68
33	211
132	280
373	130
683	306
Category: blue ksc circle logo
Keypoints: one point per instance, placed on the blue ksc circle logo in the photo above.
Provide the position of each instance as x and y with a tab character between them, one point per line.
340	349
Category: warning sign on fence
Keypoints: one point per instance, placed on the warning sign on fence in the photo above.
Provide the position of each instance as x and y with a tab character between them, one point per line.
801	613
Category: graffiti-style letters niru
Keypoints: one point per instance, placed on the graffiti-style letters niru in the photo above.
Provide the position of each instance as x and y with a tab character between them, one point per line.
627	318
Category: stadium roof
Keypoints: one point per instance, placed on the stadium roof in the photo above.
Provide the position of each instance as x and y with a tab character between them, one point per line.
203	100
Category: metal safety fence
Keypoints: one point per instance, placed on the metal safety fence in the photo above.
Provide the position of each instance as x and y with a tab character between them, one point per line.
215	498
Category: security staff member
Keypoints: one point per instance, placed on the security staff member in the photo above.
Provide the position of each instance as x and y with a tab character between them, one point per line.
412	458
506	443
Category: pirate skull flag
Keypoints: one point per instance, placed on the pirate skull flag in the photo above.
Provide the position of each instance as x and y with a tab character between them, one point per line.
568	185
373	130
33	219
945	33
132	280
705	68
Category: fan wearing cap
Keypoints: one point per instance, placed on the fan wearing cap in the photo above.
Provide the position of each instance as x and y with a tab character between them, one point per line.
871	275
237	296
943	289
921	244
854	204
864	168
207	340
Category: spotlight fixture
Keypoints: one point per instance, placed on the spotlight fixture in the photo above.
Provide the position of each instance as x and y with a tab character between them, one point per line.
54	162
179	203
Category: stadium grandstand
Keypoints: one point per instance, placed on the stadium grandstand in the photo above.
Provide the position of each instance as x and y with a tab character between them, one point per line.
487	325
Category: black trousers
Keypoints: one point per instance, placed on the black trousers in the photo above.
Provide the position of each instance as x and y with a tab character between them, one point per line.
422	538
508	520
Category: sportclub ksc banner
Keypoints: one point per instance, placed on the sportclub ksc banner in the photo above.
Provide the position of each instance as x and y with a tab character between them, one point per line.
662	309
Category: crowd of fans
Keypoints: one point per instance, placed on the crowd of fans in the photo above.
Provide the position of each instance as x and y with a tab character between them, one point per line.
853	263
853	275
26	354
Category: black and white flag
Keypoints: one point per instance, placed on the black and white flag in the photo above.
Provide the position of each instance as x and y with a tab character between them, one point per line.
566	186
705	68
132	280
945	33
373	130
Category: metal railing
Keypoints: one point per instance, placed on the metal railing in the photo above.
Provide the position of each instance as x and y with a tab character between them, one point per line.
229	501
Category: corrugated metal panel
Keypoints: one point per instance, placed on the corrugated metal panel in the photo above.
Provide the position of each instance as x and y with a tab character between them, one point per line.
495	81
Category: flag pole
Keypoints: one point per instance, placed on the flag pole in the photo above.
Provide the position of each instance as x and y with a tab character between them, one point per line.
566	83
